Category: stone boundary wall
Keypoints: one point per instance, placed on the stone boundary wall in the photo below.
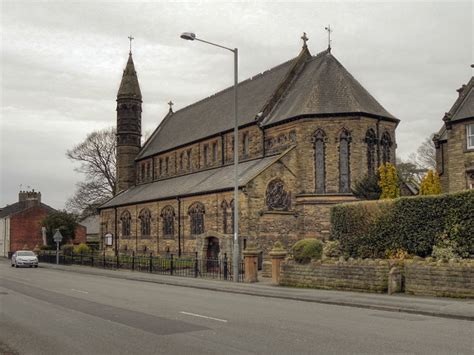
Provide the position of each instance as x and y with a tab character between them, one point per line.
441	279
351	275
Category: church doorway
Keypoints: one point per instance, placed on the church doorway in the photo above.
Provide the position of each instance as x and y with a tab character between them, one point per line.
212	254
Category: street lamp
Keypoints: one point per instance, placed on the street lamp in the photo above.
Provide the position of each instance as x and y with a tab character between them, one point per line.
235	255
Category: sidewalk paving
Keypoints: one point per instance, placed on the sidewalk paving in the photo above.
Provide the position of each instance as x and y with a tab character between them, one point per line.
438	307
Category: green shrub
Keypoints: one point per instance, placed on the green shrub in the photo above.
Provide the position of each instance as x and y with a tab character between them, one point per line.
367	188
307	249
82	249
332	249
413	224
67	249
443	253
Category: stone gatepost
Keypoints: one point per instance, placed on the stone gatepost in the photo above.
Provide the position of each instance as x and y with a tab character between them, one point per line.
394	280
277	254
250	263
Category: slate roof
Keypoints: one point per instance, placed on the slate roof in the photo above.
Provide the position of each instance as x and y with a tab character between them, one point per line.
17	207
463	107
217	179
322	86
325	87
215	114
129	87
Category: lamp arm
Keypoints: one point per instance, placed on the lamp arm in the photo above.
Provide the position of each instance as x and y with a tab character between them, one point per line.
214	44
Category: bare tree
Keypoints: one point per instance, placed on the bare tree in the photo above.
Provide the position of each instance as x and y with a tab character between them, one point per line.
96	155
425	156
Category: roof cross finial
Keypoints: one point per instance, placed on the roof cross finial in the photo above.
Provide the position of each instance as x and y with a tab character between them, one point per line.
170	104
328	28
131	39
305	39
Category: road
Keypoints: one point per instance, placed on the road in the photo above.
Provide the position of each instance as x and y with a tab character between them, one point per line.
46	311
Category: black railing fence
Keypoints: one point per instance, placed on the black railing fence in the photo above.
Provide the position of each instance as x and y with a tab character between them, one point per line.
186	266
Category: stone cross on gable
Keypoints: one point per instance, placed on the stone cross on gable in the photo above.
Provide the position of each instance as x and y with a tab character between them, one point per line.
131	39
170	104
328	28
305	39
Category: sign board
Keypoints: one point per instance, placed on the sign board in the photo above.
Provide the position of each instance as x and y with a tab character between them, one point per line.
108	239
58	237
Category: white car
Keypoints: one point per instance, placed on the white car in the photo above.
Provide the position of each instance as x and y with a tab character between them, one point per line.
24	258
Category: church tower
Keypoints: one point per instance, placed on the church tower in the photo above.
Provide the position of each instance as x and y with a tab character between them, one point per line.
129	120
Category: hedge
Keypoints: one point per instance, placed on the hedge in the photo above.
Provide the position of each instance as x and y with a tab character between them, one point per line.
414	224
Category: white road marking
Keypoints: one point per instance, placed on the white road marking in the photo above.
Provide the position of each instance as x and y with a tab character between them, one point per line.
72	289
201	316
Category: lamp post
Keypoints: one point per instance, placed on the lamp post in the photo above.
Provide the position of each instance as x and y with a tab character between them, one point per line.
236	251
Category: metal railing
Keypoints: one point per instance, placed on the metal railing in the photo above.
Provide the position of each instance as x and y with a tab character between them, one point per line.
185	266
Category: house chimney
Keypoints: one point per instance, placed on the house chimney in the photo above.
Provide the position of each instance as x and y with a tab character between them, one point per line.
29	199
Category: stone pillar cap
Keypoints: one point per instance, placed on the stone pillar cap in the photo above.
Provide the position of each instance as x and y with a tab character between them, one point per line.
251	250
278	251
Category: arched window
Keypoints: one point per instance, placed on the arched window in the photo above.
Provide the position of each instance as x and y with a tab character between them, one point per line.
371	141
181	161
386	144
344	162
277	198
167	215
319	140
188	159
245	144
145	222
206	154
125	220
196	212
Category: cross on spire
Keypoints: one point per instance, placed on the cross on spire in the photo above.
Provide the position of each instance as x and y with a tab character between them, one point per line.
305	39
170	104
131	39
328	28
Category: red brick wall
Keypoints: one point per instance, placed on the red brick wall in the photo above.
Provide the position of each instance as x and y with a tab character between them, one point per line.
80	235
25	228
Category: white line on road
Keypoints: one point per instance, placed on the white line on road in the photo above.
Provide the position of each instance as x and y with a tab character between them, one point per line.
73	289
201	316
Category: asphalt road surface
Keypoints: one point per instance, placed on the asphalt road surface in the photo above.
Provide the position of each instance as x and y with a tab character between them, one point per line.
44	311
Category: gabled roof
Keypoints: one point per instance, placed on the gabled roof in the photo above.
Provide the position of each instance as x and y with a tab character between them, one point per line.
324	86
216	179
463	107
129	87
18	207
303	85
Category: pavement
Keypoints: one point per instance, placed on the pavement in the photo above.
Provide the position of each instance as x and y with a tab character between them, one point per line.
462	309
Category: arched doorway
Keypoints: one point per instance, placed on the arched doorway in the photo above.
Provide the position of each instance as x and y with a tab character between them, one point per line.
212	248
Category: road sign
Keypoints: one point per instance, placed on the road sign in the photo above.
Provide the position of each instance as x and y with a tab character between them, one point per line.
58	237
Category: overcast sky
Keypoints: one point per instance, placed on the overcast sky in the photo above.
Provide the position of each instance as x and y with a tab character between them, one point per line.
62	61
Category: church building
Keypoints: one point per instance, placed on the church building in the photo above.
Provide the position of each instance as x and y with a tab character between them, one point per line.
307	131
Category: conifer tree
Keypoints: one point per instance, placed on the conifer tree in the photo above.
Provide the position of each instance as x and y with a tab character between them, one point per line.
388	181
430	184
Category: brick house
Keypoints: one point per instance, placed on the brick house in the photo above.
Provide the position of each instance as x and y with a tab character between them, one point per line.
455	143
20	224
307	131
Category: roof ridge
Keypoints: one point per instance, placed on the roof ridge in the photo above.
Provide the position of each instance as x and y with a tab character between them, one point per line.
256	76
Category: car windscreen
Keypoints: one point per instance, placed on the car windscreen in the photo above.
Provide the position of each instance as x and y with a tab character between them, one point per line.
25	253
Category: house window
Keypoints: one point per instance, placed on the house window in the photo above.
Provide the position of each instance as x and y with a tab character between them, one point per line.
214	152
167	215
125	220
196	212
206	153
344	162
245	144
371	141
386	143
145	222
470	136
320	160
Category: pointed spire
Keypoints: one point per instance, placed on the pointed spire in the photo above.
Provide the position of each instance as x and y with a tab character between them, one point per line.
129	87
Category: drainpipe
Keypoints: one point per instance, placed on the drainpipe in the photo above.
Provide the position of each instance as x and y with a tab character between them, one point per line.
378	142
115	232
179	226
